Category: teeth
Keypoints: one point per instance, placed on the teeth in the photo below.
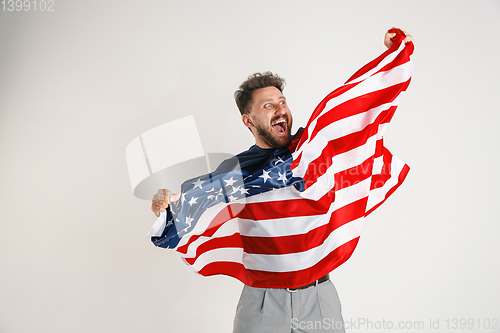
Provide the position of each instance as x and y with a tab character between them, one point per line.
278	122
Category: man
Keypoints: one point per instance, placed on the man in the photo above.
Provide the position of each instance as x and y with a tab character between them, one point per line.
314	307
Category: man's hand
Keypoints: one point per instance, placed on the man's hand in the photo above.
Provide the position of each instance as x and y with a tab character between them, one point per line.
389	35
161	200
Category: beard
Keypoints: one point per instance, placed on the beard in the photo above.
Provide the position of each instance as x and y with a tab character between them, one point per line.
268	135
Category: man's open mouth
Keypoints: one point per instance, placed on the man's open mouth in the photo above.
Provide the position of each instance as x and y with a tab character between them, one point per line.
279	126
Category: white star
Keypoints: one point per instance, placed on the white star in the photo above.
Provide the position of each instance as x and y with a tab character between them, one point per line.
265	175
210	197
243	190
235	189
230	182
231	198
213	189
188	221
282	177
192	201
198	183
218	193
280	160
183	197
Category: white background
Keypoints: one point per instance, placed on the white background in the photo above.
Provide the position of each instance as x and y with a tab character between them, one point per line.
78	84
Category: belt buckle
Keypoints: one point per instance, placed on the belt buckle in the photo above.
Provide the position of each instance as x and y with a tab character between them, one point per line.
292	290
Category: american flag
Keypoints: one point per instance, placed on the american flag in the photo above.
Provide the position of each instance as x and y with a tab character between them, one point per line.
299	216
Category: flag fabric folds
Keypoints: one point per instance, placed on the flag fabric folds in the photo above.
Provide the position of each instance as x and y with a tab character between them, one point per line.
299	216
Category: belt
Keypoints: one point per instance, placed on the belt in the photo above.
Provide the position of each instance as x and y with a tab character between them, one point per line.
314	283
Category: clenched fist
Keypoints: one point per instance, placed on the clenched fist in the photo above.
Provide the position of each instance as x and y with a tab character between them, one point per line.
161	200
389	37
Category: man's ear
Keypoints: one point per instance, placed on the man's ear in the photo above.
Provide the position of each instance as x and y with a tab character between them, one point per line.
247	120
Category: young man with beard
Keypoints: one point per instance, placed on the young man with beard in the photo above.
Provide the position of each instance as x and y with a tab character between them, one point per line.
311	308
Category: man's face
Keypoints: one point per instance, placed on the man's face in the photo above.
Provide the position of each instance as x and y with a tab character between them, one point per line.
270	118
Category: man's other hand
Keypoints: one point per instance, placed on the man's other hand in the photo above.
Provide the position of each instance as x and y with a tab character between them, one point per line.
389	35
161	200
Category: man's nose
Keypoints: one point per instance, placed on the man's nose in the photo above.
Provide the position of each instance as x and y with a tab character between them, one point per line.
280	110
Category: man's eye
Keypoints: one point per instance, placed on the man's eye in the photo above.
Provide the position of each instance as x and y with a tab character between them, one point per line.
268	105
282	103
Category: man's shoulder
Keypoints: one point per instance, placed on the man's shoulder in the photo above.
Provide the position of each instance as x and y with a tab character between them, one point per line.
251	158
242	159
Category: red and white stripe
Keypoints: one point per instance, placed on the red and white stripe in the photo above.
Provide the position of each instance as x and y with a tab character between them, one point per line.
286	238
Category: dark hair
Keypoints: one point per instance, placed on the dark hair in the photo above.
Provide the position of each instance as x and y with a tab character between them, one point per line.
243	95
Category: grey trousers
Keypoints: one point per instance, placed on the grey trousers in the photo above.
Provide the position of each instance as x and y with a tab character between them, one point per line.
315	309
